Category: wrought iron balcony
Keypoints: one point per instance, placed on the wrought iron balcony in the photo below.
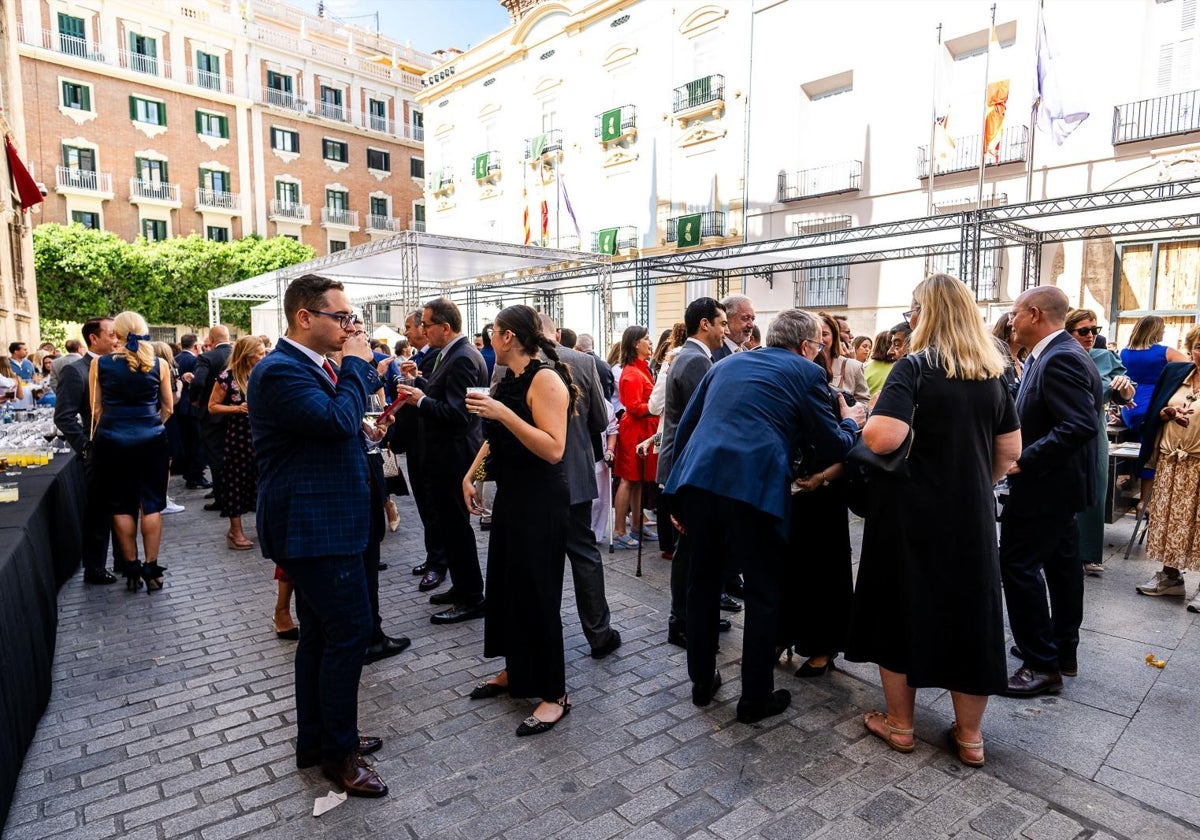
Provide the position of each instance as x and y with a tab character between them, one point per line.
627	240
59	42
82	180
289	211
822	287
378	122
416	132
842	177
339	217
382	223
141	63
699	92
442	182
217	200
967	151
283	99
712	223
209	81
554	143
1162	116
627	126
417	225
156	191
821	224
333	111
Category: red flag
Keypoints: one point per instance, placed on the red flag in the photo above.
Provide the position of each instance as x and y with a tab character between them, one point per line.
27	188
525	216
545	221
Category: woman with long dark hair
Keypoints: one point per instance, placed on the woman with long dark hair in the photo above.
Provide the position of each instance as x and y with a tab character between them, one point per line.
525	430
637	424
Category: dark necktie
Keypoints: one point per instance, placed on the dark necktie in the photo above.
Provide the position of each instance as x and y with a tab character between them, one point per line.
329	369
1029	366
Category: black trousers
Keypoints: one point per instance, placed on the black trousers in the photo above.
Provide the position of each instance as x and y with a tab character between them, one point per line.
444	484
1040	554
97	521
681	565
587	572
719	528
193	458
435	550
213	432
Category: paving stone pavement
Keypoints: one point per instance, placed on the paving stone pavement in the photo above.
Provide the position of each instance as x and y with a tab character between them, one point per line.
172	716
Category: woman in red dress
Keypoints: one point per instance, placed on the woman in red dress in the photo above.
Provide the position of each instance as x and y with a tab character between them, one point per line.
637	424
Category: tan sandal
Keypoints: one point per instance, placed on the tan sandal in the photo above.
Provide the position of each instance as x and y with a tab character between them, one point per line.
966	746
889	737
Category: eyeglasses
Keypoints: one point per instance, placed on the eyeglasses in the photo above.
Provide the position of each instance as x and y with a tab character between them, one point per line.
1083	332
425	326
820	344
345	320
916	310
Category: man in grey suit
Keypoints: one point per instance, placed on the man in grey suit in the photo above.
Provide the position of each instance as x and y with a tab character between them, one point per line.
705	322
587	569
72	355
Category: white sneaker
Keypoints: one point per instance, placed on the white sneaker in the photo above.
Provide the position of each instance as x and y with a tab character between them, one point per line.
1194	604
1163	584
172	507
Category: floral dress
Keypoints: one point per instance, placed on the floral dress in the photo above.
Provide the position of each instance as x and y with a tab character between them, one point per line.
239	473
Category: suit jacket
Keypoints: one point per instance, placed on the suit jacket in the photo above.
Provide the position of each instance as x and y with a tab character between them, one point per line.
314	495
608	382
186	362
72	405
1168	383
590	418
785	398
448	434
687	369
1059	405
404	431
207	367
58	364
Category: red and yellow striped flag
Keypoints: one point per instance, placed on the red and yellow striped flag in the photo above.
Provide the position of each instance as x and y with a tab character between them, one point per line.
525	219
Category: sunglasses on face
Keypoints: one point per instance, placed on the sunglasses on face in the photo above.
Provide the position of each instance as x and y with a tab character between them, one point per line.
1084	332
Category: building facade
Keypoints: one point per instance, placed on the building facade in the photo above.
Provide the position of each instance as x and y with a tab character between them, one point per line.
171	117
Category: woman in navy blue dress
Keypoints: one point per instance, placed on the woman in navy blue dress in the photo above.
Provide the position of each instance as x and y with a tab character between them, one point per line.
131	401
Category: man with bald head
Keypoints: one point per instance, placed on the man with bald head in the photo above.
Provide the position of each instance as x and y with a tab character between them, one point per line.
212	426
1055	478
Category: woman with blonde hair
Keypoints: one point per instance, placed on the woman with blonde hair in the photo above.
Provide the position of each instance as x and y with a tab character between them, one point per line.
10	383
927	604
1144	357
238	491
131	401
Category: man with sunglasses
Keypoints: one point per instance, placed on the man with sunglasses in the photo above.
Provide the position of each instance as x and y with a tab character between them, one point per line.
314	505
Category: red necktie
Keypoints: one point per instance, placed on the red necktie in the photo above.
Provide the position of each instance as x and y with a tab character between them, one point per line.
329	369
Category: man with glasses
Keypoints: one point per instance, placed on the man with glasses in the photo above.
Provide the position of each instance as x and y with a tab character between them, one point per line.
449	436
1059	405
314	504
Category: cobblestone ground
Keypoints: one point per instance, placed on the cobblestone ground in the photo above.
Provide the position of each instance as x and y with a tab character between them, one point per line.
172	716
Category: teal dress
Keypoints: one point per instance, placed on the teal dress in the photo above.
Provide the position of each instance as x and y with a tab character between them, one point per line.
1090	521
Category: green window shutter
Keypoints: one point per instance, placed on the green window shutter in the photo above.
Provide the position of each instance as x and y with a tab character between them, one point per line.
85	97
133	114
610	125
66	96
225	127
199	122
687	231
606	240
162	113
162	170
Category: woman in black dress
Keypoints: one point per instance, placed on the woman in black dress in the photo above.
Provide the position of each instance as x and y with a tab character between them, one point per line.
525	426
239	473
927	606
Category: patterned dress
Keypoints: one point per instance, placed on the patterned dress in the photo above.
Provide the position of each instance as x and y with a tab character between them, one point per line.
1173	536
239	474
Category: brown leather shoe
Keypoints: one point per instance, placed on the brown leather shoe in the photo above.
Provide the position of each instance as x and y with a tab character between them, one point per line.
355	776
367	744
1026	682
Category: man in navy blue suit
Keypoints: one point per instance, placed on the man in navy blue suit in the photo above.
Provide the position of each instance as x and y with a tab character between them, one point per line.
1055	478
313	508
731	492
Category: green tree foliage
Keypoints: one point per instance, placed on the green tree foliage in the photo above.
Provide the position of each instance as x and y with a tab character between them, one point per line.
83	272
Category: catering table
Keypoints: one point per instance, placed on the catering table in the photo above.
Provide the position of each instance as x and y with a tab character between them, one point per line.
40	540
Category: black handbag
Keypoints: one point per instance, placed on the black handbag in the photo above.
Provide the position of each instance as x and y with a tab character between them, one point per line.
865	468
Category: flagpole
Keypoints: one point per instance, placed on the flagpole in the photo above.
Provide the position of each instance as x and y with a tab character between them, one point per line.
987	69
1037	101
933	125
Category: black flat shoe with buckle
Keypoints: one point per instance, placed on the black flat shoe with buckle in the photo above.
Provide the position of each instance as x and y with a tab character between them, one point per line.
532	726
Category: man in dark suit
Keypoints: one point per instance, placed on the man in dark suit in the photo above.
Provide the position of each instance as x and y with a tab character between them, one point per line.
1055	477
607	381
731	493
73	417
705	322
189	423
212	426
314	502
449	437
579	464
739	310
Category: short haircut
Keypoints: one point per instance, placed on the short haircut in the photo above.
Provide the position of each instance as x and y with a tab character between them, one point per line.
73	345
307	292
1075	316
567	338
1051	300
444	311
791	328
187	341
92	329
697	311
14	346
1191	339
375	343
903	328
732	304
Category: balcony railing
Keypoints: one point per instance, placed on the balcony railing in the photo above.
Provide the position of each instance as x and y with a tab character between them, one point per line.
209	81
627	239
290	210
217	200
82	179
823	288
153	190
417	132
842	177
628	121
284	99
378	122
338	216
141	63
386	223
712	223
554	143
333	111
1162	116
48	39
699	92
967	150
821	224
417	225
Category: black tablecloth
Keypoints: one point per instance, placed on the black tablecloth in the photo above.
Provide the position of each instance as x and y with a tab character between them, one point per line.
40	539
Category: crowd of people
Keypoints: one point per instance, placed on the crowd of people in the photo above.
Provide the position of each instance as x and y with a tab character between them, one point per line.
937	420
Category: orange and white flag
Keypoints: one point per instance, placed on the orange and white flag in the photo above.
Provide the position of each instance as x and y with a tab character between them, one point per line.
996	102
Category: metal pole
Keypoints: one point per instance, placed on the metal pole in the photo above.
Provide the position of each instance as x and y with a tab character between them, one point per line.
1033	111
987	62
933	128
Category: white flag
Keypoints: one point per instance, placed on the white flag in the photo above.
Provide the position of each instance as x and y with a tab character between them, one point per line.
1060	109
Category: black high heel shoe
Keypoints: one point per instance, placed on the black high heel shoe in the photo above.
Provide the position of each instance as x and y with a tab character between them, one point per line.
132	570
807	670
152	573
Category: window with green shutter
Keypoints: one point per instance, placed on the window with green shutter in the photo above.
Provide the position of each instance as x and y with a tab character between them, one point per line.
216	234
143	54
155	230
77	95
379	207
334	150
151	171
147	111
379	160
87	219
284	140
208	70
212	125
214	180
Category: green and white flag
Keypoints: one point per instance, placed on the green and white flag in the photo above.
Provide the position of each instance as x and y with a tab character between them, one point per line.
606	241
537	145
481	166
610	125
435	182
687	231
